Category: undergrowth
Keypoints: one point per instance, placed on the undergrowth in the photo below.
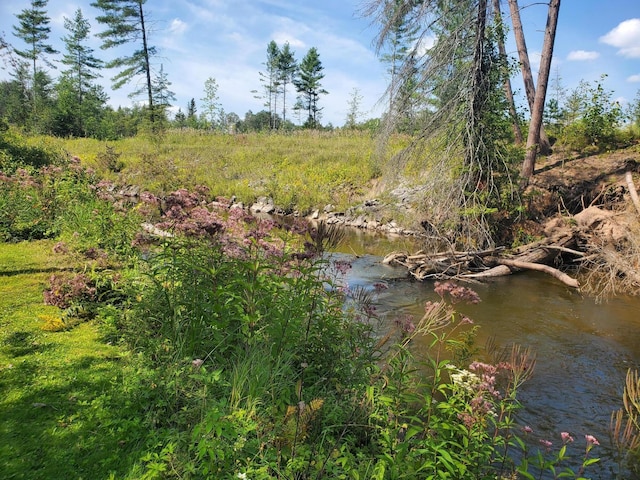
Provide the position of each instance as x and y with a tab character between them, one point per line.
213	344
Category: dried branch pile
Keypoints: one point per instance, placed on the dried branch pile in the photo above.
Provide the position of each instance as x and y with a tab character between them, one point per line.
539	256
600	244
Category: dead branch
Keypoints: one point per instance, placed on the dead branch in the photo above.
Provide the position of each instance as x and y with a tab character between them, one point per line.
554	272
632	191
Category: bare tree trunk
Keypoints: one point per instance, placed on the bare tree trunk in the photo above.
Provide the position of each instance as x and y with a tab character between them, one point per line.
525	66
508	92
541	93
147	64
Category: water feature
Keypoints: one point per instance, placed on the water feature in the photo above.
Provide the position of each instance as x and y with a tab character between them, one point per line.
584	349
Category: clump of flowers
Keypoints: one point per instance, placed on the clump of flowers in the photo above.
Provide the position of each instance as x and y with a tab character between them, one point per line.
66	290
456	293
52	323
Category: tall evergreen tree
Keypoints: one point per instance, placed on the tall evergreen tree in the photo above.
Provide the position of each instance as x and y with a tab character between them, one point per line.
397	51
287	67
464	129
309	87
124	21
271	81
33	29
162	96
82	65
192	119
79	100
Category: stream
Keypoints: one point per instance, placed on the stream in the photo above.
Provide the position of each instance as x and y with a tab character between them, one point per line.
583	349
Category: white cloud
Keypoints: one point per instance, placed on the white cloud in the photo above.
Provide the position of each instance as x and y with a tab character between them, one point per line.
626	37
178	27
634	78
582	55
283	37
534	59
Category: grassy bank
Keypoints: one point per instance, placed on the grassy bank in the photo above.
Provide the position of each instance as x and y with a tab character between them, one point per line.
301	171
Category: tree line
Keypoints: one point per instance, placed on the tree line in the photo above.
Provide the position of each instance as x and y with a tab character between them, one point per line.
74	104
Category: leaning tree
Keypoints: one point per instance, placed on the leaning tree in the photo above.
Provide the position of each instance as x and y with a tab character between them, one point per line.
126	21
464	123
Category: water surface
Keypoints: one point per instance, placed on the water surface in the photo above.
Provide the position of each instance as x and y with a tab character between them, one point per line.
583	349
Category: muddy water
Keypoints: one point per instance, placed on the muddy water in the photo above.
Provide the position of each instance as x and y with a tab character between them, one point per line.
583	349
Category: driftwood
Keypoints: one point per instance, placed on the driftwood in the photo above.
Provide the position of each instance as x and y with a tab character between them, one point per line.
554	272
539	256
632	191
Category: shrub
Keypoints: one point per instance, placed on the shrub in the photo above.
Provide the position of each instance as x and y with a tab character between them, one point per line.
596	120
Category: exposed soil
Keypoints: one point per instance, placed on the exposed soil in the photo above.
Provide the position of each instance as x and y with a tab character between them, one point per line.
583	228
590	197
569	185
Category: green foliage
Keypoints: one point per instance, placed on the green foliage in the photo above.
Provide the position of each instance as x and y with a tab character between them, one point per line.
109	160
597	118
301	170
16	151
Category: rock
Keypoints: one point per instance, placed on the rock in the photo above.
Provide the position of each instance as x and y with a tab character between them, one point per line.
373	225
263	205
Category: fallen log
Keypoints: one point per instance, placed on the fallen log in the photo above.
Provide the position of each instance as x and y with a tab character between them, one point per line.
632	191
554	272
499	271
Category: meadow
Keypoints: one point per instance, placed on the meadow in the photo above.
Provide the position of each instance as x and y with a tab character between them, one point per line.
300	170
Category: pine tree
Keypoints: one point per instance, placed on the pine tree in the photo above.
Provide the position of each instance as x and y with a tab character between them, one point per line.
192	119
271	82
125	23
308	86
287	67
33	29
162	96
397	53
83	66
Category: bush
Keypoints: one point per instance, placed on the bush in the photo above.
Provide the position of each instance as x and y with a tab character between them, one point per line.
597	121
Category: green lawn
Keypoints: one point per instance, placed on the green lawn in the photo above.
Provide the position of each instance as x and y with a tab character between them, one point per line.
63	409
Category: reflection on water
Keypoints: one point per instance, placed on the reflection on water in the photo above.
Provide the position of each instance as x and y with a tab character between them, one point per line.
583	349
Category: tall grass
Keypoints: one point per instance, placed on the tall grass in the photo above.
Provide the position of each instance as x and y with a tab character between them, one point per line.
300	171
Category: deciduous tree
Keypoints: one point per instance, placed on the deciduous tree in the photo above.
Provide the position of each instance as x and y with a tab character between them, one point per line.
210	106
354	104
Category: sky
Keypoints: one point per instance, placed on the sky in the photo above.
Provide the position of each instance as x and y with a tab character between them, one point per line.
227	41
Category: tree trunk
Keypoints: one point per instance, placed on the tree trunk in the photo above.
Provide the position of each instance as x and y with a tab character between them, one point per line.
543	78
517	131
147	64
527	77
478	89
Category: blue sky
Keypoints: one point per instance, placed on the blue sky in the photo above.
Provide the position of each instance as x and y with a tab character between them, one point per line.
227	40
